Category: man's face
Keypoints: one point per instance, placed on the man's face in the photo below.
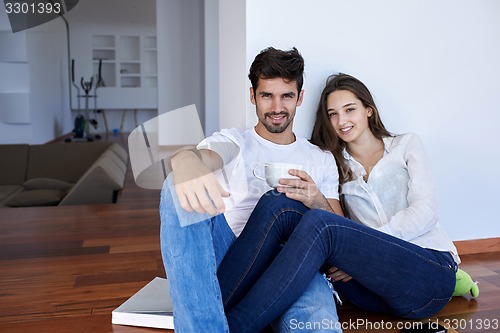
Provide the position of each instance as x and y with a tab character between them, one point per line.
276	101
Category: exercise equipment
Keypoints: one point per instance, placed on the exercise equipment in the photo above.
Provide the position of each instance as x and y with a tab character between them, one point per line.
81	131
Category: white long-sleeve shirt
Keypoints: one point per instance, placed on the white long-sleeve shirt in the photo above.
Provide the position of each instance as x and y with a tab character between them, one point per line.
399	197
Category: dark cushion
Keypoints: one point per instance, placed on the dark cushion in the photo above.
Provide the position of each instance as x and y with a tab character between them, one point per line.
8	190
64	161
46	184
36	198
13	165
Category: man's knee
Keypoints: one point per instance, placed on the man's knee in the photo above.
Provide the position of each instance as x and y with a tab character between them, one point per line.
172	215
273	195
168	212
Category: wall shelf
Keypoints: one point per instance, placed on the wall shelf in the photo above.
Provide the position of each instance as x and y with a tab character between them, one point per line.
103	54
128	70
127	61
103	41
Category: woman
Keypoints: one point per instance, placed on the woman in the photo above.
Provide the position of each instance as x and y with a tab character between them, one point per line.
390	256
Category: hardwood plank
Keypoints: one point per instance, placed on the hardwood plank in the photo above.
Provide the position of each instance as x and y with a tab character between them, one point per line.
112	278
27	250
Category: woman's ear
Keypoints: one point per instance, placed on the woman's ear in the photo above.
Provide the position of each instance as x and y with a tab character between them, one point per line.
369	112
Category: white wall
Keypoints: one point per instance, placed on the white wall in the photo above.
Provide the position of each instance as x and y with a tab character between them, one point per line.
432	66
49	103
211	65
233	67
180	55
39	74
14	78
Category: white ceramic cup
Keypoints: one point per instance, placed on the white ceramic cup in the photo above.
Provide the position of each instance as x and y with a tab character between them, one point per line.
273	172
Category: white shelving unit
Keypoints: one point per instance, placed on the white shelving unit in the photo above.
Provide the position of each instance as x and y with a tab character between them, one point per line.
130	61
129	71
127	61
103	48
150	75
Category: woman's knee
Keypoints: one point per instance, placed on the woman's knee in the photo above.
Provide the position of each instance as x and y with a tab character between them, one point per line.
323	218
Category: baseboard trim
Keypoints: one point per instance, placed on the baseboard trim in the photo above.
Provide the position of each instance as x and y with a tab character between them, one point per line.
473	246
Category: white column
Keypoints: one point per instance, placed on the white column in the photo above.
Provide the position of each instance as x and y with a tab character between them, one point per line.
233	71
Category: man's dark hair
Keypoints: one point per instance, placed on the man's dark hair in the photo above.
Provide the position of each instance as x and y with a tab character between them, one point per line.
271	63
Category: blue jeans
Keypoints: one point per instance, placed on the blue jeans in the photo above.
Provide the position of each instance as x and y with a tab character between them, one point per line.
191	256
389	275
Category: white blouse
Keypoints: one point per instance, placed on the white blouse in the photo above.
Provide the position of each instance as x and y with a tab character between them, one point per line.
399	197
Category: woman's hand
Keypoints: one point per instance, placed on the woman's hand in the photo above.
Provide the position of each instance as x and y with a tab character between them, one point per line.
303	190
336	274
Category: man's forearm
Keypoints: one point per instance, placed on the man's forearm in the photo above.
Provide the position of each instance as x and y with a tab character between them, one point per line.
183	159
191	157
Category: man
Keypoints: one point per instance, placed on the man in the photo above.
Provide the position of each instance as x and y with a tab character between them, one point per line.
209	196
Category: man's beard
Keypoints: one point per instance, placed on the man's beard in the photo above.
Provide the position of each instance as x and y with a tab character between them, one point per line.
273	128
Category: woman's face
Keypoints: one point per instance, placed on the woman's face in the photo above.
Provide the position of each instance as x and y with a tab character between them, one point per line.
348	116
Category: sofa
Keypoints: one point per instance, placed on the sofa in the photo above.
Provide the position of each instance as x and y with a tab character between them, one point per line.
61	174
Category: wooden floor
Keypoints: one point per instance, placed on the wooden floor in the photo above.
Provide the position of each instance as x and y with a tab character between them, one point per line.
64	269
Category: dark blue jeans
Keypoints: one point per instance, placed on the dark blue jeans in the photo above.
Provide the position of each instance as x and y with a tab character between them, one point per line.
260	277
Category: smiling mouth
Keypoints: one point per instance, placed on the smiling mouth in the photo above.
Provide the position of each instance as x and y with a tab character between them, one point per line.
277	118
346	129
